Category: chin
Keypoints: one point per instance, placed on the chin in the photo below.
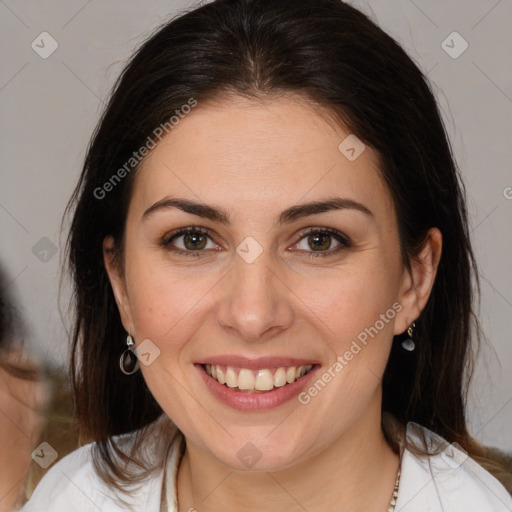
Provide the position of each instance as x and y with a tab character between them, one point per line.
259	452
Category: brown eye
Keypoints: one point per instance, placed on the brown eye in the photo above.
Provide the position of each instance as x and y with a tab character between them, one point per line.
189	241
319	242
194	241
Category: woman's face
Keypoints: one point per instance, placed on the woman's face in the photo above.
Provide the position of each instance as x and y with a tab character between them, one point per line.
265	282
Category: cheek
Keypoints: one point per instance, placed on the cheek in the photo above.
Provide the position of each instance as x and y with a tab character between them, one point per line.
165	302
352	303
355	313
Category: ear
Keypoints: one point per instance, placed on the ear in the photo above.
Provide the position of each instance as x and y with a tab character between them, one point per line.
118	283
417	282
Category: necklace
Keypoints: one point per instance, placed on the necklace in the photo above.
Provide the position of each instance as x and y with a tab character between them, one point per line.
392	503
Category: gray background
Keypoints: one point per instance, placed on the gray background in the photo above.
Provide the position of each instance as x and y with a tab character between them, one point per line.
49	108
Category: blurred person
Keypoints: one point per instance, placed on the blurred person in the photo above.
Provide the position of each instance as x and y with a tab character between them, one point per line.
35	406
23	395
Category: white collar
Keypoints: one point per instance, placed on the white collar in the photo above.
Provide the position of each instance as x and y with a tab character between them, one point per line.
449	481
170	480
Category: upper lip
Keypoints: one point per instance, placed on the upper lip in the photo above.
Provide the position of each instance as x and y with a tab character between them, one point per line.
255	363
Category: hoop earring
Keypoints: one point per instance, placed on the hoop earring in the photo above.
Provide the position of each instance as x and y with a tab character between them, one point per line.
128	362
408	344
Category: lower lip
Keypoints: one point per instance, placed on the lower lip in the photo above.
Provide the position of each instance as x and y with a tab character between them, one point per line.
254	401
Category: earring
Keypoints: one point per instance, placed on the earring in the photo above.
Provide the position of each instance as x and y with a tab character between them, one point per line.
408	344
128	361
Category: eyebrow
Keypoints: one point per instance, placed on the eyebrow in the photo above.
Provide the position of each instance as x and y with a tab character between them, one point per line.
288	216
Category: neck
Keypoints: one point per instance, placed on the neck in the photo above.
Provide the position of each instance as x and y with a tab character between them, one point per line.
357	472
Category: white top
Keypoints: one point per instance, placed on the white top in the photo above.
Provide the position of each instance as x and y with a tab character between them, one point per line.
448	482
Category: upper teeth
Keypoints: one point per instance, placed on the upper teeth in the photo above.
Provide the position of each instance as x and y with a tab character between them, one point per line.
261	380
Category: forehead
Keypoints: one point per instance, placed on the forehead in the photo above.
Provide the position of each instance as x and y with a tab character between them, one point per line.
244	152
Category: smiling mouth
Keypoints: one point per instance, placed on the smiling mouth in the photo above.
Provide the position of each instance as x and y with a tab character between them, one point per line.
262	380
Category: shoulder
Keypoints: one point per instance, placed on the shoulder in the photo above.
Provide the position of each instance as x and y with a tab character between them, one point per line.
73	485
71	481
449	481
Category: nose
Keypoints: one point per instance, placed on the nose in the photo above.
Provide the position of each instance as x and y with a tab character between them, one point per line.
256	304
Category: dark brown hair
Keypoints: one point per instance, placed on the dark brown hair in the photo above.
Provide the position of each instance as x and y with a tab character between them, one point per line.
329	53
13	356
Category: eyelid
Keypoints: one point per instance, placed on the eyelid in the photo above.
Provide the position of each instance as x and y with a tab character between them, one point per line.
315	229
183	231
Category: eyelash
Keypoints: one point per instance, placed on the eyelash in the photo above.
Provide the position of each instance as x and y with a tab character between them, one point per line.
344	241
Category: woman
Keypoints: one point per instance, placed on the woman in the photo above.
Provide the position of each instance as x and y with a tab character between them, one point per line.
272	275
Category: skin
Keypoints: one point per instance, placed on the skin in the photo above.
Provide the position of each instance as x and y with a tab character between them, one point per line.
254	159
21	423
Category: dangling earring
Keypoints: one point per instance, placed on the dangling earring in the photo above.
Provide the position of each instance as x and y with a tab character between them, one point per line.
128	361
408	344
